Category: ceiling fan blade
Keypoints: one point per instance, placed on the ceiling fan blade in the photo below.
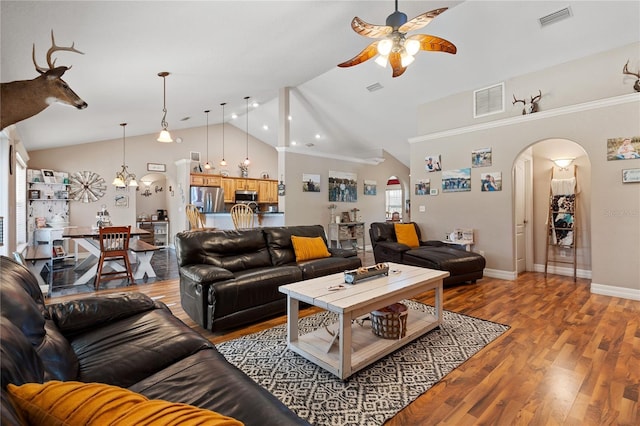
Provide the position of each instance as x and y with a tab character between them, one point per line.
434	44
369	30
396	64
420	21
369	52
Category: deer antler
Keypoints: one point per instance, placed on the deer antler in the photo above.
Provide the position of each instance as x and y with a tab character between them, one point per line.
537	98
625	70
50	52
515	101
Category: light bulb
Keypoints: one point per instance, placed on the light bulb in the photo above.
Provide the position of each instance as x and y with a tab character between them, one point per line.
117	182
412	46
223	162
382	61
165	136
133	182
246	161
207	165
385	46
406	60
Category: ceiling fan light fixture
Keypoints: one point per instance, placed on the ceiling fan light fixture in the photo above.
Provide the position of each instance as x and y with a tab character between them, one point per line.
406	59
382	61
385	46
412	46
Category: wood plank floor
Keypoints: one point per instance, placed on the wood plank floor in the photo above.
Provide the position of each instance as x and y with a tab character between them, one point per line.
570	357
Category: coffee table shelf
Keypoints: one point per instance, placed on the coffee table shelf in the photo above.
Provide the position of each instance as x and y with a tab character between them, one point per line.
356	346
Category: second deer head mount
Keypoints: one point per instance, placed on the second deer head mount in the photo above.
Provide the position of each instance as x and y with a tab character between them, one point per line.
625	70
529	107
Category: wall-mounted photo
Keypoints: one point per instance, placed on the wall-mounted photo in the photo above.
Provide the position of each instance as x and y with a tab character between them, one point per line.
343	187
491	181
423	187
458	180
370	187
626	148
310	183
481	157
432	163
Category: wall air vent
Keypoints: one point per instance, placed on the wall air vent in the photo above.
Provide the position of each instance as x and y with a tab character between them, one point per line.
488	100
556	16
374	87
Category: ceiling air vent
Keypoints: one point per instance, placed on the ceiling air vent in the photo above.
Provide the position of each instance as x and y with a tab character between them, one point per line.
488	100
554	17
374	87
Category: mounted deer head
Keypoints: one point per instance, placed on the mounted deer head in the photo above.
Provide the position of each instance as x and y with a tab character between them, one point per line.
529	108
625	70
26	98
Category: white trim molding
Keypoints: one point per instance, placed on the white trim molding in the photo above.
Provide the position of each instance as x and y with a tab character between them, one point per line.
621	292
563	270
291	150
499	274
586	106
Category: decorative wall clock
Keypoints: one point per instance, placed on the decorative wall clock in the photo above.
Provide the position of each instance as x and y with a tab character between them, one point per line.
86	186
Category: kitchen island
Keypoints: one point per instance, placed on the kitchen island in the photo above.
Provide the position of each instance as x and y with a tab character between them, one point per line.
223	220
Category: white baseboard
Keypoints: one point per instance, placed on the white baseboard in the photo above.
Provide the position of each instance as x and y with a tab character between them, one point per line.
563	270
502	275
622	292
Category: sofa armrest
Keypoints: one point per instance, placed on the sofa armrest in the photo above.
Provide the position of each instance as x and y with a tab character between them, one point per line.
393	246
342	252
84	314
205	273
432	243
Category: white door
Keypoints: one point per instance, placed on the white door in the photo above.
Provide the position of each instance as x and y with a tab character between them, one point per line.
523	210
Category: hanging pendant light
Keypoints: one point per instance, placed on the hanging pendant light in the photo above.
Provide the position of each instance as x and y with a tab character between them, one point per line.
246	160
223	162
207	165
123	177
164	136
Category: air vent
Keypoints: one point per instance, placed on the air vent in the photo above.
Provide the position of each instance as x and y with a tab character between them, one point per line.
309	145
554	17
489	100
374	87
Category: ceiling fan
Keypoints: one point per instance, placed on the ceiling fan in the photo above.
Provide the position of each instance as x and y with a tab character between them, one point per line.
394	46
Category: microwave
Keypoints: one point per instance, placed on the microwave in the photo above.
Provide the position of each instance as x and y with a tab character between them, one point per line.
246	197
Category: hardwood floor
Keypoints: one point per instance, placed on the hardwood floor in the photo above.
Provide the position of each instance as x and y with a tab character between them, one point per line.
570	357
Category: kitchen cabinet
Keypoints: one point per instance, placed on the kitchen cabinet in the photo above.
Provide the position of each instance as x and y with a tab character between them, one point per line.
246	185
267	191
229	187
205	180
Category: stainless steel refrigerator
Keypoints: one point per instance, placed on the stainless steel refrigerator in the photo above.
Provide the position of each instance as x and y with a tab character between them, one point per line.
208	199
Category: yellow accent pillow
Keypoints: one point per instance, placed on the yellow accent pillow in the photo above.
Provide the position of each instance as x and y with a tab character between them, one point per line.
76	403
406	234
307	248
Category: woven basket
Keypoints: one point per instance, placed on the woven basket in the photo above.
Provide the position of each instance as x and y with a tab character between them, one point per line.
390	322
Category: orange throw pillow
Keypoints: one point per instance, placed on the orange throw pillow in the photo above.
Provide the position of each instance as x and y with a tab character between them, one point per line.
76	403
308	248
406	234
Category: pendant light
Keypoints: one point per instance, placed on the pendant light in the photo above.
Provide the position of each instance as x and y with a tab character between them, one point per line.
164	136
246	160
123	177
207	165
223	162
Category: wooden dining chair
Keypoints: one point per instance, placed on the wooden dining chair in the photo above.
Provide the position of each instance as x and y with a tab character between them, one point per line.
195	217
114	246
242	216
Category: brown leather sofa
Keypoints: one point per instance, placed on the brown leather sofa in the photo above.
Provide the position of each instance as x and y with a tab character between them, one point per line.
231	278
462	265
126	340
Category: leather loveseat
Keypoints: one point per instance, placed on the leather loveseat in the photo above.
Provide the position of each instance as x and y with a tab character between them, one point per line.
462	265
229	278
125	340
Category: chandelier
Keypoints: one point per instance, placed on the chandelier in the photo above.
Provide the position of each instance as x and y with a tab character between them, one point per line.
123	177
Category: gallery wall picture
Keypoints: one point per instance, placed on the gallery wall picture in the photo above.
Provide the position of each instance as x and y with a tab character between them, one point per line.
432	163
481	157
423	187
491	181
624	148
343	187
310	183
458	180
370	187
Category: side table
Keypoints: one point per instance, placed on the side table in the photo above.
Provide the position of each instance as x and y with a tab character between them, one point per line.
346	234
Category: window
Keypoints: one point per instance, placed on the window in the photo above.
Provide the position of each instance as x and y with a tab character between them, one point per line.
393	197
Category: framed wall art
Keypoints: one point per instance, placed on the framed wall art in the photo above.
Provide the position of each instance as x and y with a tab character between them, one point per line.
423	187
458	180
481	157
625	148
156	167
343	187
310	183
630	175
370	187
432	163
491	182
48	176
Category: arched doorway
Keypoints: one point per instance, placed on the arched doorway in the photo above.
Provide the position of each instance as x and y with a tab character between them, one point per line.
394	200
532	174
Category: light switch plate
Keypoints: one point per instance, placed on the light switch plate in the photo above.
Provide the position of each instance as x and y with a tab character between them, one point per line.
422	209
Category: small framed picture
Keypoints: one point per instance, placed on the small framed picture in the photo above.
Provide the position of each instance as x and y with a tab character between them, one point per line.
346	217
58	251
122	200
195	156
48	176
34	194
156	167
630	175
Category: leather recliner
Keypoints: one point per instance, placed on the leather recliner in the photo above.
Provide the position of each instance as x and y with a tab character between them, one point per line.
462	265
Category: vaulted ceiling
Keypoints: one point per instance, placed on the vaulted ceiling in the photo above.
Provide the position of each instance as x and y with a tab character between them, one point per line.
222	51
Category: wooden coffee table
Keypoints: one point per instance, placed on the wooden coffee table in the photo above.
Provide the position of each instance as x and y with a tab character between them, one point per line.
357	346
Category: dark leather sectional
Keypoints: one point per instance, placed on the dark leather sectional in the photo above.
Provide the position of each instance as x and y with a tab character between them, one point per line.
231	278
462	265
126	340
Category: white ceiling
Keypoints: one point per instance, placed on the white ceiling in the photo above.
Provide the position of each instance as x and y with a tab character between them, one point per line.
222	51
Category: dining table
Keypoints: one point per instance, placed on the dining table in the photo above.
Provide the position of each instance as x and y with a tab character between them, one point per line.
87	238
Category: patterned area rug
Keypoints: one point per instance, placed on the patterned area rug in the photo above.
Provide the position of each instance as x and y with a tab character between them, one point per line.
370	396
